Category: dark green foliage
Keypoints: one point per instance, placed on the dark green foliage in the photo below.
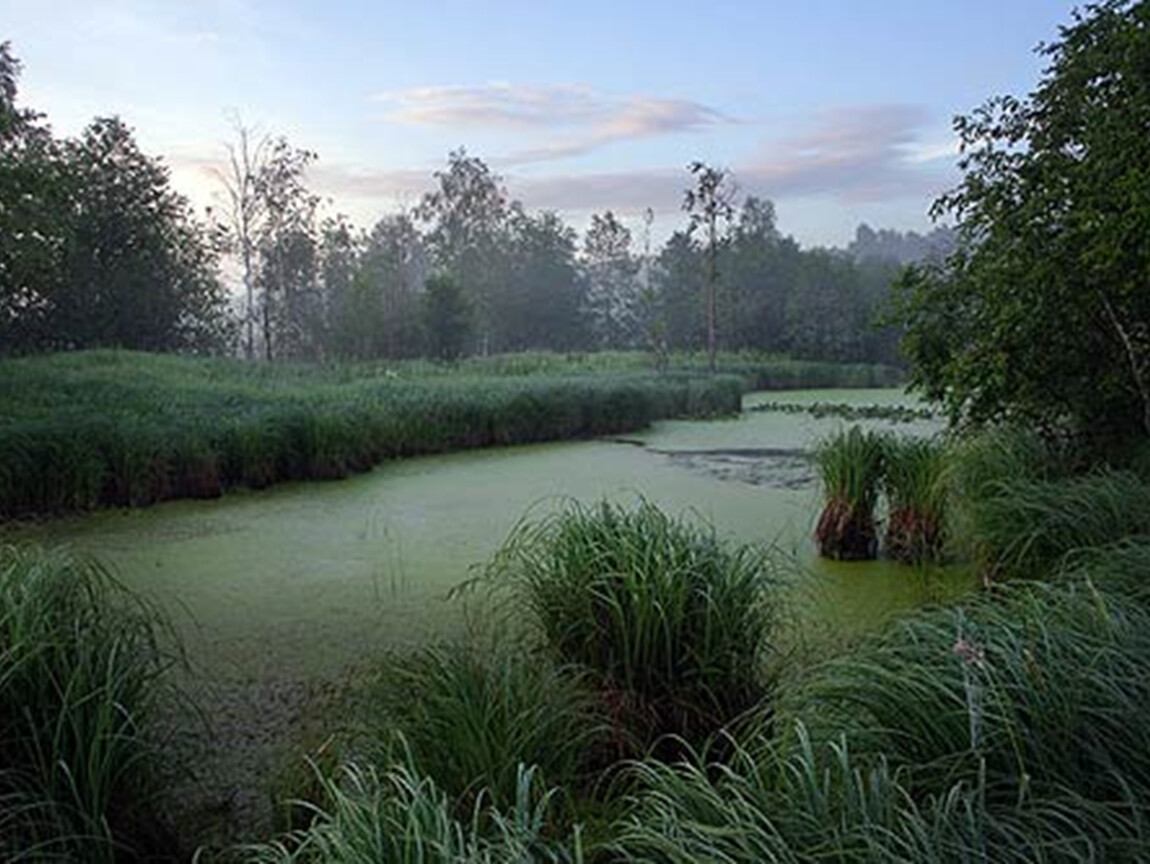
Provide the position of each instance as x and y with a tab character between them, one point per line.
850	465
96	248
673	626
81	669
447	318
1042	313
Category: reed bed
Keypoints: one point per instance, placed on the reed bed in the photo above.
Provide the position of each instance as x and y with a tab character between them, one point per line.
850	466
914	481
119	428
81	669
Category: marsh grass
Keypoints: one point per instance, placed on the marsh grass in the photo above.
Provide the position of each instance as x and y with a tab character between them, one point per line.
468	714
100	428
398	814
914	481
1008	729
850	466
81	668
673	626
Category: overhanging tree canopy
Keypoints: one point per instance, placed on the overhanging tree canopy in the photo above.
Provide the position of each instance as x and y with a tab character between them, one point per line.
1043	312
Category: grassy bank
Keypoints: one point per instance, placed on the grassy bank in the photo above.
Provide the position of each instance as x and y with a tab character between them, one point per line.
114	428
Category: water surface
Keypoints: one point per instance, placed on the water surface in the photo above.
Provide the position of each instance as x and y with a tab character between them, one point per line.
310	578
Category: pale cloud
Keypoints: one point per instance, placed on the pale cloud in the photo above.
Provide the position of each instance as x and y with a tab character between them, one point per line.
857	158
589	120
855	154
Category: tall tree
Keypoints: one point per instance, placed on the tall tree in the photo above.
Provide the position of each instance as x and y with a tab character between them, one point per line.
710	206
379	315
611	270
34	190
466	218
245	212
1044	312
287	246
448	317
542	304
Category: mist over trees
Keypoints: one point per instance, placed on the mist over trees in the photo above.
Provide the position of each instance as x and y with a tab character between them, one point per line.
97	249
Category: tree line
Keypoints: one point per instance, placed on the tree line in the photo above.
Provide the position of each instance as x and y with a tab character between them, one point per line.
98	249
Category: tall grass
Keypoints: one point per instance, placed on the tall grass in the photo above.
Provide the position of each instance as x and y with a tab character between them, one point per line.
850	466
81	668
467	715
97	428
1010	729
399	815
672	625
914	480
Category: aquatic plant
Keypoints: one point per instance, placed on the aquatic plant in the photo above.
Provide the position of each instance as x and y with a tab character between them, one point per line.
850	465
847	411
672	626
914	482
81	669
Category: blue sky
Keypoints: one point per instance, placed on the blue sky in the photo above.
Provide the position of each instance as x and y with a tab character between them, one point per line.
837	110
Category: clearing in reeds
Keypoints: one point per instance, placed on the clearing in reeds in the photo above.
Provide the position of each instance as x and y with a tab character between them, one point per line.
914	480
81	669
672	626
850	465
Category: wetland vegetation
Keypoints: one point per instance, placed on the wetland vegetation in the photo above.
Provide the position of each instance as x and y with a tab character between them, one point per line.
622	678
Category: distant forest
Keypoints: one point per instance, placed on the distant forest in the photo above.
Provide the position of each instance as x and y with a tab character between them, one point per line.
97	249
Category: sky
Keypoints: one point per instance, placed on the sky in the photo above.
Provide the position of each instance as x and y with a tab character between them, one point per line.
838	111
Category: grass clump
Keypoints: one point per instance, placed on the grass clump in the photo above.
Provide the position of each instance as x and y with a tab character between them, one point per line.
914	474
470	716
400	815
671	626
850	465
81	668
